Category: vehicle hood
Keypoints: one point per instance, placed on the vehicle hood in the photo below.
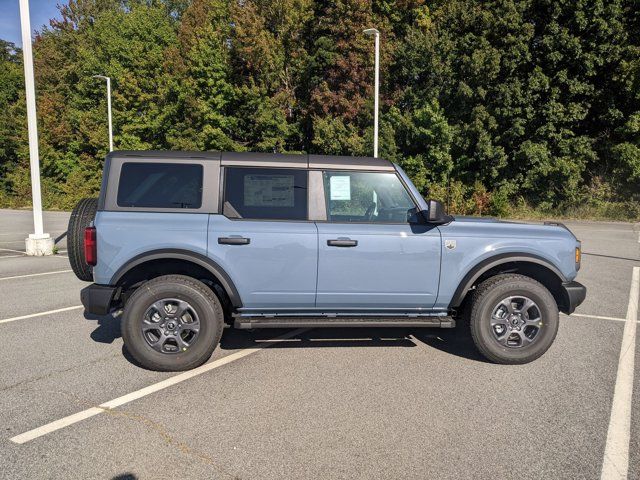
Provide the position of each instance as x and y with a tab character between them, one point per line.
494	227
469	218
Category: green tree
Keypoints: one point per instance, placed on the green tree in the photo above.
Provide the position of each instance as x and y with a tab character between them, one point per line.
127	43
339	79
200	92
423	139
484	103
11	87
531	88
270	60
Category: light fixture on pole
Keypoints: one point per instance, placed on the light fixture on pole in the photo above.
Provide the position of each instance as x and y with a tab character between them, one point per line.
376	35
108	79
38	243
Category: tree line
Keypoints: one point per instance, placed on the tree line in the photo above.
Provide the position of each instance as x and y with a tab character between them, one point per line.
490	106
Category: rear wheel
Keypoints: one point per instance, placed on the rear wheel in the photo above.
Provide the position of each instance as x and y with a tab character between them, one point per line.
172	323
514	319
81	217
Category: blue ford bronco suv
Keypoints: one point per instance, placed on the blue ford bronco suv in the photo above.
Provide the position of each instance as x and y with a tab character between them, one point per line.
188	242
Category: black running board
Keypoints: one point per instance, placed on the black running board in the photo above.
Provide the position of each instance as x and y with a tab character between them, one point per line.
319	322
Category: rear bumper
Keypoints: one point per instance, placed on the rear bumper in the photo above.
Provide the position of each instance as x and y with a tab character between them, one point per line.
97	299
574	294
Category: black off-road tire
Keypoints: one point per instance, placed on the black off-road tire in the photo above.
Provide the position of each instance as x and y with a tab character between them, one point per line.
201	298
81	217
491	292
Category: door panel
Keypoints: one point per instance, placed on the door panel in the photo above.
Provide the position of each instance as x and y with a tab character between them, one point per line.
391	267
263	241
372	252
274	266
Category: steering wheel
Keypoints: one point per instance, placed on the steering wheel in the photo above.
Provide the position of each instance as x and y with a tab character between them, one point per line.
369	213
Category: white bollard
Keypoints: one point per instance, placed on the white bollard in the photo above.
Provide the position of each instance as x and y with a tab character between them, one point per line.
39	245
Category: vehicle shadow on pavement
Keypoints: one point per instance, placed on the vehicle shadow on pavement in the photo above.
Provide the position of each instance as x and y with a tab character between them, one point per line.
108	329
455	341
317	338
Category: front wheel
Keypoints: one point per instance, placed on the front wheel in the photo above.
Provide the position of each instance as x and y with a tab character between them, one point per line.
172	323
514	319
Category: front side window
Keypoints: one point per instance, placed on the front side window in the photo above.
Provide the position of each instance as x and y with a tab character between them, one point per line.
160	185
366	197
265	193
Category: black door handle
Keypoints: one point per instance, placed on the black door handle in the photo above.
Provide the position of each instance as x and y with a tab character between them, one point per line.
342	242
234	241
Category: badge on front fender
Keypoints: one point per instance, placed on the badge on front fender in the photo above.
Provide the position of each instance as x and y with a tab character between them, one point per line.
450	244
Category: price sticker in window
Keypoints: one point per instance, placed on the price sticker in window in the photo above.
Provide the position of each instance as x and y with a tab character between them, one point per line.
340	187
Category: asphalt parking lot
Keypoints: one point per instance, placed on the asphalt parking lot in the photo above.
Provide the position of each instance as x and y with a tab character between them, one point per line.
336	403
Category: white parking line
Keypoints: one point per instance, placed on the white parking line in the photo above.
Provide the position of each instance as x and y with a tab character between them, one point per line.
615	464
11	250
13	256
624	384
614	319
35	274
40	314
117	402
599	317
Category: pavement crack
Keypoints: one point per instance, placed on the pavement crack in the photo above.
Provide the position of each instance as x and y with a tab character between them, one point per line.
169	440
57	372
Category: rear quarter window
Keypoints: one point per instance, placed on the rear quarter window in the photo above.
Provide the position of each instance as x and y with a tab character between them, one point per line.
160	185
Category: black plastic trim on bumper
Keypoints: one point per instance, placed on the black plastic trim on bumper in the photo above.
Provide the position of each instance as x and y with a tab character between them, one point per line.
574	294
97	299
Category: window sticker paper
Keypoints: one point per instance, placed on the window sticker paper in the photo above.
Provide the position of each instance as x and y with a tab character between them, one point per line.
268	190
340	187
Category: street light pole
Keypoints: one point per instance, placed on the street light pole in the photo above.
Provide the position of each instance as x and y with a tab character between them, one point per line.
38	243
108	79
376	34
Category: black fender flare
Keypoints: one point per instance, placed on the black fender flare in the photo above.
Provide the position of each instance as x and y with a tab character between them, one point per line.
177	254
491	262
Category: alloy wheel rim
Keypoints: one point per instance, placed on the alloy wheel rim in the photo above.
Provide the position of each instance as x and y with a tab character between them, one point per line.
170	326
516	322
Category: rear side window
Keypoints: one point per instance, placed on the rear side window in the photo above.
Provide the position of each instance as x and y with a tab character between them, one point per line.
160	185
265	193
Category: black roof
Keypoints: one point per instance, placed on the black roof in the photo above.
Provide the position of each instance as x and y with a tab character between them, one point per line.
300	160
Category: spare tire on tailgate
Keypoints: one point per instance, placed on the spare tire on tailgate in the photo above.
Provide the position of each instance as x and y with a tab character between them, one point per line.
81	217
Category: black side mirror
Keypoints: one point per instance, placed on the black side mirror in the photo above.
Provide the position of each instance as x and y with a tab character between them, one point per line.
436	214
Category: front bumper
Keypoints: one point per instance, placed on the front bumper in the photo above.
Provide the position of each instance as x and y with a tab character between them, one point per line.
573	294
98	299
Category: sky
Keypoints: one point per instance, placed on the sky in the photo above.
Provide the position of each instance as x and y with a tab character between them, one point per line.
40	10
